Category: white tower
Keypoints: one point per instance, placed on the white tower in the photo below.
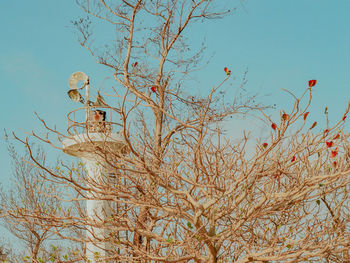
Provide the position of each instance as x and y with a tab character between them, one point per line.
90	135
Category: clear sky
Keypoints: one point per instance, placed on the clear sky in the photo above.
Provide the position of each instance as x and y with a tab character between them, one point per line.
282	43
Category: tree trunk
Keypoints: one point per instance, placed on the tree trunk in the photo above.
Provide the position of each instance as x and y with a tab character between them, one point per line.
212	252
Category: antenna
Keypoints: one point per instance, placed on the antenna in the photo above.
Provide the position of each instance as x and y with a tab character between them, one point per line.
73	93
99	100
75	78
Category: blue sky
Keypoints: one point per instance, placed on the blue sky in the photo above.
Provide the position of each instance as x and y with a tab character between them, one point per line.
283	44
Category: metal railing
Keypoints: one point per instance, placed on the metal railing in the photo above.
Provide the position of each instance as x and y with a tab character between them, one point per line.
81	120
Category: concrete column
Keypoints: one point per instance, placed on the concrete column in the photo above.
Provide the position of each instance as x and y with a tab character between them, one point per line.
96	212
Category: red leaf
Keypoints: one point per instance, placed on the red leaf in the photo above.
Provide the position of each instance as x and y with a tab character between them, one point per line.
293	159
334	153
153	88
274	126
135	64
227	71
336	136
326	131
312	83
334	164
265	144
285	116
276	176
313	125
305	115
344	117
330	144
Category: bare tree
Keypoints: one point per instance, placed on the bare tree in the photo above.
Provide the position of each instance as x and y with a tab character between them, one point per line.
183	190
5	253
30	194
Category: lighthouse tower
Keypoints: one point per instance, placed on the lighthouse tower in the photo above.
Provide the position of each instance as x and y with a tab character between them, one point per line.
90	136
